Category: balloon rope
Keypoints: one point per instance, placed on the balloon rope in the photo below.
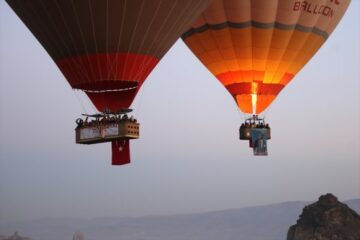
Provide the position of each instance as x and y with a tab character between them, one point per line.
80	64
107	52
119	39
267	110
61	45
241	114
94	36
133	34
79	100
85	69
158	42
157	47
140	96
157	50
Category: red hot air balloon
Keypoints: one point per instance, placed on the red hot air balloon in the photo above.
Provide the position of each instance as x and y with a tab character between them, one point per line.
107	48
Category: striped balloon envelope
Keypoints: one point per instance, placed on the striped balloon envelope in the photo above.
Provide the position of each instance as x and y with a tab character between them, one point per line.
107	48
256	47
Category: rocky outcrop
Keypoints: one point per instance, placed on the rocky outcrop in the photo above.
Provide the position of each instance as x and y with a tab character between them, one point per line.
326	219
78	236
15	236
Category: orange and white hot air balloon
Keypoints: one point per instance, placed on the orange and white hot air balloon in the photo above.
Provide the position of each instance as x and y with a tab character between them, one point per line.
256	47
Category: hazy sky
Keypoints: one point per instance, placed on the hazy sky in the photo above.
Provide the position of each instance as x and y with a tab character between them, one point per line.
189	158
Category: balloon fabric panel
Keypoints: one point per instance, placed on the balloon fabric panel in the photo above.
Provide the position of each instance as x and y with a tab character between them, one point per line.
107	48
256	47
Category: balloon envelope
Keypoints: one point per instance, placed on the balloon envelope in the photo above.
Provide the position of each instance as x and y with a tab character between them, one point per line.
255	47
107	47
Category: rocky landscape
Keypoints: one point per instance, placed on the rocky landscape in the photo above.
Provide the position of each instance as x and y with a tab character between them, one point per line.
270	222
15	236
326	219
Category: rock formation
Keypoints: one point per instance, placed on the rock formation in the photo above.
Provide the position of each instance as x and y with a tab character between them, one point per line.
326	219
78	236
15	236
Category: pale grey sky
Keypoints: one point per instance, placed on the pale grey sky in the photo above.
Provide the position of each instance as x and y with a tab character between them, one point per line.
189	158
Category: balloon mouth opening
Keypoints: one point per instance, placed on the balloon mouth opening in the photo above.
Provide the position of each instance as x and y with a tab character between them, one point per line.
110	95
107	86
110	90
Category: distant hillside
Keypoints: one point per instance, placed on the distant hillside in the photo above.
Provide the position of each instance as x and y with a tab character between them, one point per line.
269	222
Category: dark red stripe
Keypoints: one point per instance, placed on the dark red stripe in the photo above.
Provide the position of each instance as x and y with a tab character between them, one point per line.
241	76
249	76
106	71
113	101
262	88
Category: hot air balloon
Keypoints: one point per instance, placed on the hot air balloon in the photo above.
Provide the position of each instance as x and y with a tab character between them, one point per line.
256	47
107	48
